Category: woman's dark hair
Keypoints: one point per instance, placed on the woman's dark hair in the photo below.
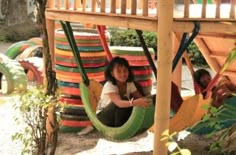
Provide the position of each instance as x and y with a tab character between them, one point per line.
198	74
120	62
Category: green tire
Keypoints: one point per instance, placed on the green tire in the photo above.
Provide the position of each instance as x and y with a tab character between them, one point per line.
14	73
139	120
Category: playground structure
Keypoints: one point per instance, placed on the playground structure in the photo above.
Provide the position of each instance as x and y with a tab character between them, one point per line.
215	37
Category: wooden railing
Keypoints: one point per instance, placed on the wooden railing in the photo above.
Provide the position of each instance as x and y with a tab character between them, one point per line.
148	8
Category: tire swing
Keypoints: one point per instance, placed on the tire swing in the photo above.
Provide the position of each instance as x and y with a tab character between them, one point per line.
14	74
140	119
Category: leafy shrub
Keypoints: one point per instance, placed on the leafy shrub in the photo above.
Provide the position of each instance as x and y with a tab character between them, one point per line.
127	37
124	37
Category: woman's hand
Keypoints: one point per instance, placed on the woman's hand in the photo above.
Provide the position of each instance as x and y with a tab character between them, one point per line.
143	102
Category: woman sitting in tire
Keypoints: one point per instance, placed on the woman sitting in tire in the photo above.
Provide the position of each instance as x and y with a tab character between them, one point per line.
223	89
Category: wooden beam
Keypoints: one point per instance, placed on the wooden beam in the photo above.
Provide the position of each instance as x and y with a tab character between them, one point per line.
139	22
206	53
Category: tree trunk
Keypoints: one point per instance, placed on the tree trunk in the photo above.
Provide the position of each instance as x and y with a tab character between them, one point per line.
50	76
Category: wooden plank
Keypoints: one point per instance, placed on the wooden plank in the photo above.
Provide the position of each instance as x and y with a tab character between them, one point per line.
232	8
123	7
204	4
133	7
93	5
84	5
186	8
113	6
145	8
103	6
67	4
58	4
218	8
139	22
206	53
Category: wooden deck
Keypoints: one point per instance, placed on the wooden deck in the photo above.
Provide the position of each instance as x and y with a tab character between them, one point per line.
217	21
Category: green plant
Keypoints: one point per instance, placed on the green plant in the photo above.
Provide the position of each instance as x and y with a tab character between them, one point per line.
195	56
35	108
172	145
128	37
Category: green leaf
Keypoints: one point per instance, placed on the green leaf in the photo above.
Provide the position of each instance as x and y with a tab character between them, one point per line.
185	152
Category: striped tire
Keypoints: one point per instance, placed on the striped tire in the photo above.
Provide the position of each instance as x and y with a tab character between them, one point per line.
14	73
34	69
15	49
134	55
36	40
32	51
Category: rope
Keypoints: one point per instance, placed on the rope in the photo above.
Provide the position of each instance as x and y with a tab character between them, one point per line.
185	43
101	31
70	37
146	52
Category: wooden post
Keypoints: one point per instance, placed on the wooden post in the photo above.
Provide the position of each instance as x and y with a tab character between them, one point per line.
164	65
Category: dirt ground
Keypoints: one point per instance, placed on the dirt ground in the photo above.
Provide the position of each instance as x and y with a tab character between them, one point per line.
93	143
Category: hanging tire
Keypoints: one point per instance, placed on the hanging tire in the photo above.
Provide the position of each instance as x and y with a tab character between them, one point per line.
140	120
14	73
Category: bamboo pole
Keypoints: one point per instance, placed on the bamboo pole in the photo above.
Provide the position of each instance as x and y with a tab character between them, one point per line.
164	65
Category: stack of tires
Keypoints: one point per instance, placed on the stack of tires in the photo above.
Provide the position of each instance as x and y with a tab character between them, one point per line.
139	64
93	56
21	58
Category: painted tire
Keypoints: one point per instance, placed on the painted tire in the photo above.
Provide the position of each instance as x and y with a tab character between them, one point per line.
36	40
74	117
31	51
66	129
134	55
71	101
87	62
76	70
75	110
15	49
68	53
134	125
14	74
33	65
